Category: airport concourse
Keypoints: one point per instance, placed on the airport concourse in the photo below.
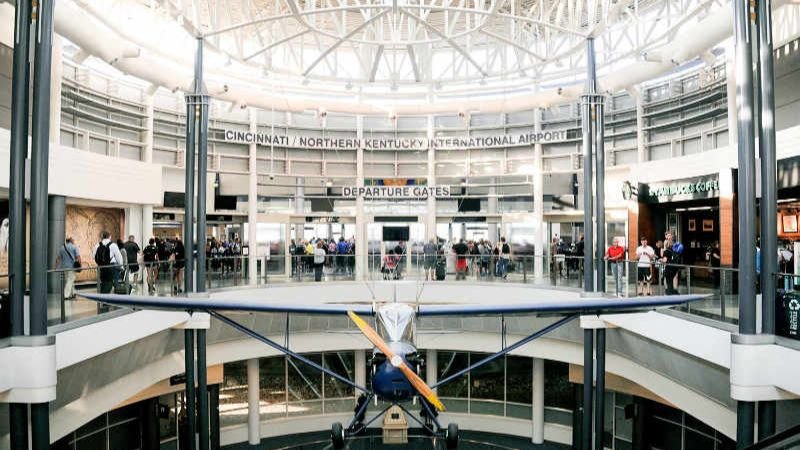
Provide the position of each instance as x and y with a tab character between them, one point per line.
399	224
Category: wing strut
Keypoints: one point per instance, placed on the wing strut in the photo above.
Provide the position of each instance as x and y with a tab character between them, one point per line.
506	350
285	350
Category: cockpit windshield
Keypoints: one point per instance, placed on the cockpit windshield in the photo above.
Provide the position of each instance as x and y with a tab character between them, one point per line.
395	322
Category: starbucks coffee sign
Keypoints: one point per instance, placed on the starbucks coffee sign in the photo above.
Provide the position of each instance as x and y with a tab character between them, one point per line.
680	190
400	192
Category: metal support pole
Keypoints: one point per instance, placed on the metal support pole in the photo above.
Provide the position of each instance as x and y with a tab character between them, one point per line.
40	154
588	235
188	214
213	393
600	389
746	198
769	213
586	131
588	372
202	390
202	167
600	197
19	152
191	417
18	412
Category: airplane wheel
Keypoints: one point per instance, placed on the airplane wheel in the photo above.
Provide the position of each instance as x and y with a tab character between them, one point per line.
451	438
337	435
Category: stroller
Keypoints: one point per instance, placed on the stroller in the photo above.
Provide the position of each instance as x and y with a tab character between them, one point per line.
389	269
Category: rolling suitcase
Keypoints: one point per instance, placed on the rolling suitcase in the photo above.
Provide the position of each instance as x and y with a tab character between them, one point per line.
441	270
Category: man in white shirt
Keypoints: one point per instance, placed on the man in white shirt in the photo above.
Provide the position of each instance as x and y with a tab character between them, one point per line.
645	255
105	258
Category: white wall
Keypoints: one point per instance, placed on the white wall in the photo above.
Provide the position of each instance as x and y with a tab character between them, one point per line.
78	174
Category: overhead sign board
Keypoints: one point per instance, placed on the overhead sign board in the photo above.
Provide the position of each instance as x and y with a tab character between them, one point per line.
401	192
680	190
397	143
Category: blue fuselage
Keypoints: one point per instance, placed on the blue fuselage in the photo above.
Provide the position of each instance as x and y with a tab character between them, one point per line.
390	384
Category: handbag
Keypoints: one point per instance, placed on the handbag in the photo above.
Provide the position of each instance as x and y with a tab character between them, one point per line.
75	264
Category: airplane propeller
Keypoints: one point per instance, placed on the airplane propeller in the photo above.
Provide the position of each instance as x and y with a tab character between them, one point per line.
397	361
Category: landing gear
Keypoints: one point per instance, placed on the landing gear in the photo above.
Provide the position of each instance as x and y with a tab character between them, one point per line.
451	437
337	435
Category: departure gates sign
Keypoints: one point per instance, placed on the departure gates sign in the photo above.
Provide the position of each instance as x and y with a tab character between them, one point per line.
403	192
398	143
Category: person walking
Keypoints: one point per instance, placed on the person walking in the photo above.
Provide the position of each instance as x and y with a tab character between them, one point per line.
106	255
69	260
132	249
615	255
150	259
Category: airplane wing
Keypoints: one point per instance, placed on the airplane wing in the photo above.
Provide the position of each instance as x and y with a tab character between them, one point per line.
597	305
210	304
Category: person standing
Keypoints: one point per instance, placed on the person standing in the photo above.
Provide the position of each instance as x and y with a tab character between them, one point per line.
615	255
714	260
429	255
319	260
461	249
106	255
132	249
504	258
179	262
646	256
69	260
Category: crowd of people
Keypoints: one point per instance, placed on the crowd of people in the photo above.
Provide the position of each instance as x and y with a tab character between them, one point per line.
118	263
314	254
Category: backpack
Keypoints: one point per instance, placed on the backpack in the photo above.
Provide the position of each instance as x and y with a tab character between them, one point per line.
103	254
150	253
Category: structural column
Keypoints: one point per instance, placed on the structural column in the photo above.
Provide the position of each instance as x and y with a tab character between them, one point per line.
641	148
491	203
430	212
431	367
538	199
361	217
56	219
253	403
201	111
600	186
588	373
537	402
189	367
147	156
40	155
17	267
588	198
188	215
360	371
252	202
746	201
769	213
600	388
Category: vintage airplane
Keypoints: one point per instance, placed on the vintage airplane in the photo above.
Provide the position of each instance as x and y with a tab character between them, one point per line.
395	359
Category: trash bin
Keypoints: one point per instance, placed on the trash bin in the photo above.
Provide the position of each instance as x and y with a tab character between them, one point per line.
787	315
5	314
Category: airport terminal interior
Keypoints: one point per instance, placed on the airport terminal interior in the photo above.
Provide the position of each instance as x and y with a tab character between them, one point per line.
399	224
